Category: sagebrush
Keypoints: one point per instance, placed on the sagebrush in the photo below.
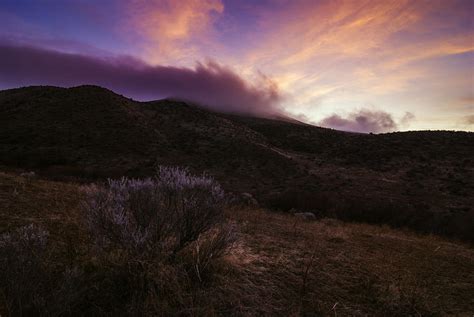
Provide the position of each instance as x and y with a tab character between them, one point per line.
153	243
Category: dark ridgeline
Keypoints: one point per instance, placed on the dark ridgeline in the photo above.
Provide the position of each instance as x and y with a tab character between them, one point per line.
423	180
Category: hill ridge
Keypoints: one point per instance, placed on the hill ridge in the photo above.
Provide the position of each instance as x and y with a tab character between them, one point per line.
89	132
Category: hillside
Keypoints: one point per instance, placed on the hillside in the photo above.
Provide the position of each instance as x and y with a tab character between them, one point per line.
423	180
279	265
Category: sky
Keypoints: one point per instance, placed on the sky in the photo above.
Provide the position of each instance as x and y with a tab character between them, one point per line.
354	65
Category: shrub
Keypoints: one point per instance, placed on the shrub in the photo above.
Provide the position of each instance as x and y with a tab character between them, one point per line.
194	204
210	247
22	280
154	216
157	239
28	283
157	234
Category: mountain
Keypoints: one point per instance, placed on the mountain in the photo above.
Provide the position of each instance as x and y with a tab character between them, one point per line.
423	180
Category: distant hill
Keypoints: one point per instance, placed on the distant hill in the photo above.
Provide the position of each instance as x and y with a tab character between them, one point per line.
422	180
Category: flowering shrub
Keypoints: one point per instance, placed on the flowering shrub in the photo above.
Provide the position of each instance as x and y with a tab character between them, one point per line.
154	237
119	215
194	203
157	231
154	216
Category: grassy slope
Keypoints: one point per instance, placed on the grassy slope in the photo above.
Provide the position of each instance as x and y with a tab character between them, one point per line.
422	180
90	131
351	269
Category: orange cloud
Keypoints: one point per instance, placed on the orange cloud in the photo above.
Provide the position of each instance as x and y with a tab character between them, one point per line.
172	28
321	35
335	28
346	54
323	54
451	45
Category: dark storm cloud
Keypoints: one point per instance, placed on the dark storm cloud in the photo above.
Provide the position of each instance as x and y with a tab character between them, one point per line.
209	84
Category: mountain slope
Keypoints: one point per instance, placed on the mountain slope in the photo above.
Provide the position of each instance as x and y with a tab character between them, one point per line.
90	127
423	180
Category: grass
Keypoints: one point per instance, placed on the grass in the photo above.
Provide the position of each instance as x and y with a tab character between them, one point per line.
424	178
281	265
355	269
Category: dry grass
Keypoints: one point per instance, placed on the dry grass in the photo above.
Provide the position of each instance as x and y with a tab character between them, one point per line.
357	269
284	266
53	205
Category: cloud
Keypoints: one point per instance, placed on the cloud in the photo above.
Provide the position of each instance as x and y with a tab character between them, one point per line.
364	121
469	120
172	29
209	84
407	118
323	54
396	53
335	29
173	20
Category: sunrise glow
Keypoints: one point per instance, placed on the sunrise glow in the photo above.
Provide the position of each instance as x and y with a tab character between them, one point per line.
367	66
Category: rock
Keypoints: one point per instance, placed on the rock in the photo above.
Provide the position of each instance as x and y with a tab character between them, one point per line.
28	175
248	199
308	216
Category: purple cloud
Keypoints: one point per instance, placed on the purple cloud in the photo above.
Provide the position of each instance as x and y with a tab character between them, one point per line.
209	84
365	121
